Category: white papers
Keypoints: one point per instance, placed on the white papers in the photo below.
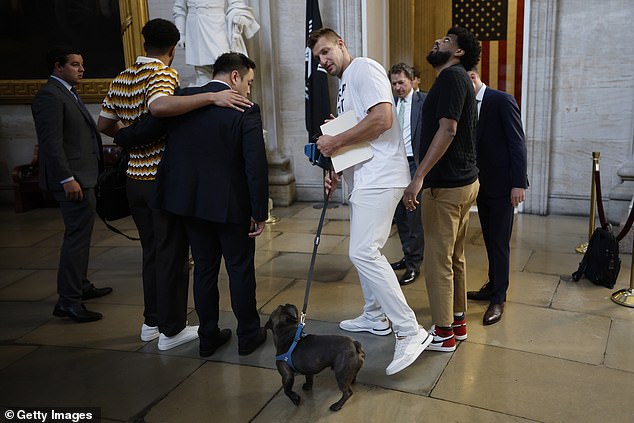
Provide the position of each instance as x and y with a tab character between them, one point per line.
347	156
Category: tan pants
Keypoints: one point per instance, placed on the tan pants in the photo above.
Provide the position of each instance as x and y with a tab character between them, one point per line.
445	220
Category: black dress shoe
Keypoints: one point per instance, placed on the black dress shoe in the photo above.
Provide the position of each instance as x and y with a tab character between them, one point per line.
209	346
493	314
94	292
484	294
252	344
408	277
399	265
77	312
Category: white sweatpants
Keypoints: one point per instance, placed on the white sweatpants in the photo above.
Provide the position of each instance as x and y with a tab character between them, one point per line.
371	212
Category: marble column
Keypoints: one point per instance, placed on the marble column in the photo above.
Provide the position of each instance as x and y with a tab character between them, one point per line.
539	101
262	50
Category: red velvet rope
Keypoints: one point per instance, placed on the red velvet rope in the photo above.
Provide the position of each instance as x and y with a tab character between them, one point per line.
602	219
601	211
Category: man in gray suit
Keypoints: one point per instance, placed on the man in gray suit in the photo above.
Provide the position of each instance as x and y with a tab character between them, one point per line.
70	153
409	104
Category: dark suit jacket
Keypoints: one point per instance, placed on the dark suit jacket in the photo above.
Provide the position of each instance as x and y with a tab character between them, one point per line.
501	145
416	121
214	166
69	143
418	98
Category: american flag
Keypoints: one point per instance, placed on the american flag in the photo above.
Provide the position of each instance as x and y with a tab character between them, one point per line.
499	25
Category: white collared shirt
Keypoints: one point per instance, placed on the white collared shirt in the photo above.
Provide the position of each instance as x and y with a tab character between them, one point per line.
479	96
407	122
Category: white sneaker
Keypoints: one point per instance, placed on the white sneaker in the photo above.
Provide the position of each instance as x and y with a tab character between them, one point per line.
149	333
186	335
407	350
363	324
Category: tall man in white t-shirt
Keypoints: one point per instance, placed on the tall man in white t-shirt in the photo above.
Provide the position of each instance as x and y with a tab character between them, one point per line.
377	185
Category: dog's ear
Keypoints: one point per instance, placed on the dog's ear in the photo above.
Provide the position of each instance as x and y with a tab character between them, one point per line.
290	313
269	325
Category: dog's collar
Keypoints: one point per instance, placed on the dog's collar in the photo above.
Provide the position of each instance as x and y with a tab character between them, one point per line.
287	356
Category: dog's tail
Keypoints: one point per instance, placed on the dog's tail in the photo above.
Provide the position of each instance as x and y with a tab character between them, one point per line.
360	351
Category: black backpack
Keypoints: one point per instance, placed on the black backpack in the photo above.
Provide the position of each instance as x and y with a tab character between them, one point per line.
601	263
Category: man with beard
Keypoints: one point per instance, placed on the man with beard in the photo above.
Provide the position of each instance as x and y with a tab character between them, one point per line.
448	175
376	187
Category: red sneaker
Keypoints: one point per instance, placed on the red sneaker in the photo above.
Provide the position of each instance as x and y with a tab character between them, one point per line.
444	340
460	329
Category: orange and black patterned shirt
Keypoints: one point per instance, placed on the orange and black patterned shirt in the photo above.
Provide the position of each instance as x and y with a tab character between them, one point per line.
128	98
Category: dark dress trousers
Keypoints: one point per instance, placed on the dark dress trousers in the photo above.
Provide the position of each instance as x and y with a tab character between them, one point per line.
163	237
69	145
409	223
501	155
214	175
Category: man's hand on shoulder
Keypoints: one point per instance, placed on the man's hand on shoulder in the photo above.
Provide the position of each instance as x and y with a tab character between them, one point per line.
231	99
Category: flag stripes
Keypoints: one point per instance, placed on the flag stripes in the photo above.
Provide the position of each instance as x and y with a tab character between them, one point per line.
499	25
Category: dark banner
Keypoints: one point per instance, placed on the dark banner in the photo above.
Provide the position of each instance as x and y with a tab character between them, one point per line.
316	88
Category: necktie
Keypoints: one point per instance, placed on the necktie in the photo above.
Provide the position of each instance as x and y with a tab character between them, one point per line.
478	104
401	113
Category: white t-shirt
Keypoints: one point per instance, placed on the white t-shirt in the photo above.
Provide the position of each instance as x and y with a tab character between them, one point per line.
364	84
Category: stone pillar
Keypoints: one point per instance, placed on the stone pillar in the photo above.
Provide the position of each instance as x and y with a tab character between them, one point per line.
281	177
538	105
621	194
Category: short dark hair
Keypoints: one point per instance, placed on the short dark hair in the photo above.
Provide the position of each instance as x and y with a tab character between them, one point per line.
402	67
469	44
159	36
59	54
416	73
314	36
228	62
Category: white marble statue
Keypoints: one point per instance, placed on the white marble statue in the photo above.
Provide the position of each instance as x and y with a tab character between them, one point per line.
211	27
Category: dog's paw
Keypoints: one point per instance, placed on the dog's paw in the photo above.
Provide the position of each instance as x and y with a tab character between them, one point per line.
295	398
307	386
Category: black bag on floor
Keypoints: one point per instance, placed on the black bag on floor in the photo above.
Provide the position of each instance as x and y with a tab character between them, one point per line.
601	262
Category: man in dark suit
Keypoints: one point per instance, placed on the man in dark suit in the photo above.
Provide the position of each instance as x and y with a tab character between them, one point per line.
214	175
409	104
70	157
501	153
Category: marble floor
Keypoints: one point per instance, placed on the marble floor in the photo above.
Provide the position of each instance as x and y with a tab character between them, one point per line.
564	352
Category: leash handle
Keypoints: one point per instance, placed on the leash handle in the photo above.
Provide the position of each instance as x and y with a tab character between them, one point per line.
309	279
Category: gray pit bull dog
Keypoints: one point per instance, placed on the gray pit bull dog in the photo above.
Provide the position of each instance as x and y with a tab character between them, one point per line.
312	354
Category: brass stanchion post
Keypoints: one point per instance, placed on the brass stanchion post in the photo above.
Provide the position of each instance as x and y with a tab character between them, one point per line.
625	297
581	248
271	218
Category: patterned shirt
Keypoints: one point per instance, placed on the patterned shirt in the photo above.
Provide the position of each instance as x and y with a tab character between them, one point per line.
128	98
